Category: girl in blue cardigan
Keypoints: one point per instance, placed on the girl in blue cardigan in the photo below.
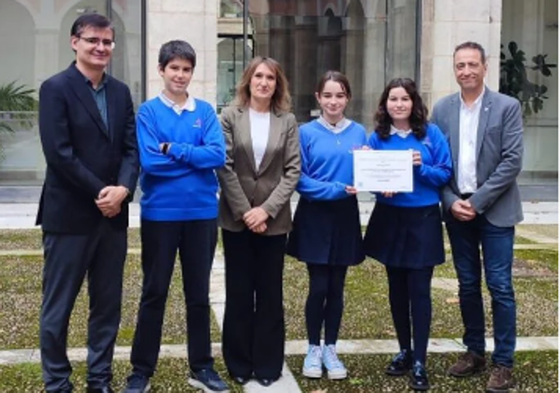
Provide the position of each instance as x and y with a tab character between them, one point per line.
404	232
326	232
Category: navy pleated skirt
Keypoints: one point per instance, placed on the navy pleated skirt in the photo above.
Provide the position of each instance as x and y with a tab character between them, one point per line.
408	237
327	232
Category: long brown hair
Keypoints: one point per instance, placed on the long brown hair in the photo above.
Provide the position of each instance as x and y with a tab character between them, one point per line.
281	100
418	117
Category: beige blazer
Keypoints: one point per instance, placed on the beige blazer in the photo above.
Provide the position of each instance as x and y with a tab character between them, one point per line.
272	185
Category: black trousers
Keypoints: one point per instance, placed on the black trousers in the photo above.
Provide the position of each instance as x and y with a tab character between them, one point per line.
409	293
254	332
68	259
196	242
325	302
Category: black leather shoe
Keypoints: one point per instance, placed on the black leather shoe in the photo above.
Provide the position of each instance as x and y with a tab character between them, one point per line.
400	364
104	389
266	382
241	380
418	377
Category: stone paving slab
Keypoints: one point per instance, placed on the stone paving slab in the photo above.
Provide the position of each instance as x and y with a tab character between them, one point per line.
286	384
448	284
297	347
536	234
137	251
22	215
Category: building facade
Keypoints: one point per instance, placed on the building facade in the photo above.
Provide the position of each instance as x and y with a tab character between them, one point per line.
371	41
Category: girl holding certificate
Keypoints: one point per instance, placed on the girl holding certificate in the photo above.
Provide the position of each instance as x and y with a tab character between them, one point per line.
327	233
405	232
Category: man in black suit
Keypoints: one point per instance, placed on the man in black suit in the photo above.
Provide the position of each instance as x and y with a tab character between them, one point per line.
87	128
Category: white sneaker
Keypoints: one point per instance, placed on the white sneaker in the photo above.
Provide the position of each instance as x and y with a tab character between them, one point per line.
335	368
312	367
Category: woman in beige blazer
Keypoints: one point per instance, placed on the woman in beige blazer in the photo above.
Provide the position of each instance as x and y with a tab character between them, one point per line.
261	173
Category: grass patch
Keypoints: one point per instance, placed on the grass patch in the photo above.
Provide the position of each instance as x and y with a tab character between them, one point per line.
367	314
20	285
31	239
539	259
526	262
171	376
535	372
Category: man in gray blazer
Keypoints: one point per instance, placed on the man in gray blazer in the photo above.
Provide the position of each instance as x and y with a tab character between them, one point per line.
481	207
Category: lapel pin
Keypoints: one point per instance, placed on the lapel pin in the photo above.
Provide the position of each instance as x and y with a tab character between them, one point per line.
486	109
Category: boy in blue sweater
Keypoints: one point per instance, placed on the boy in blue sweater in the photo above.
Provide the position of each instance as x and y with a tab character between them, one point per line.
181	144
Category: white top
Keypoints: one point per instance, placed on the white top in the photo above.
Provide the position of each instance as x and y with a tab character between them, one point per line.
190	104
468	128
260	128
402	133
335	128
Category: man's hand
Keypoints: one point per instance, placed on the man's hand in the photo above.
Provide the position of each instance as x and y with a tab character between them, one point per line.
388	194
255	217
462	210
110	199
351	190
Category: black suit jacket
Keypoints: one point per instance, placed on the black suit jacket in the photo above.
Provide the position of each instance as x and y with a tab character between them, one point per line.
82	156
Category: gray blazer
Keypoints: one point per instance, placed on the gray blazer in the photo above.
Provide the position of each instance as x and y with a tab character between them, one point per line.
272	185
499	152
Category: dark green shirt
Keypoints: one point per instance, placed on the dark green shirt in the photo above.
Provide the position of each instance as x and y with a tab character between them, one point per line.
100	97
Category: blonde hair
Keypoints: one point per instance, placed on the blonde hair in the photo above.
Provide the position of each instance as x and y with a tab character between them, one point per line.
281	100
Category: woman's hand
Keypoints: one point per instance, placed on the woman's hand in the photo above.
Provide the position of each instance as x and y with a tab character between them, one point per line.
388	194
350	190
255	217
260	228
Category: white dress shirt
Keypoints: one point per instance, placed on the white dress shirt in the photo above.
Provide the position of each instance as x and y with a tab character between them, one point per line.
189	105
260	128
401	133
468	129
335	128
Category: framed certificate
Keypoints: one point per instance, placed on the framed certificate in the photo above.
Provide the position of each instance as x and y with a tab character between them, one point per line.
383	170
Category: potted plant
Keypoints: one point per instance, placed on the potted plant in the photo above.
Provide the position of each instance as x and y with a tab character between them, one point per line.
15	99
515	82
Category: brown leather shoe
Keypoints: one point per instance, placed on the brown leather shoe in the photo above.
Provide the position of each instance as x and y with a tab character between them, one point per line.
468	364
501	379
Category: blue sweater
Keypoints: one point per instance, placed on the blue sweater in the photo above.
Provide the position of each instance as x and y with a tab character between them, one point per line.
181	185
434	173
327	161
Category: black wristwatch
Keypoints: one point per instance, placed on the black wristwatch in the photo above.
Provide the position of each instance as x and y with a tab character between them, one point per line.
165	148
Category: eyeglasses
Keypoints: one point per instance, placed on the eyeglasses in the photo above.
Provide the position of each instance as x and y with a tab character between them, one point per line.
96	41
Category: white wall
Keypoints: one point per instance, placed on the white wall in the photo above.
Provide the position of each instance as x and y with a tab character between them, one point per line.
194	21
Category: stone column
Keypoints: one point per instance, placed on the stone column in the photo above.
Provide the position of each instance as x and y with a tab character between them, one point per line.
446	24
305	77
374	67
195	22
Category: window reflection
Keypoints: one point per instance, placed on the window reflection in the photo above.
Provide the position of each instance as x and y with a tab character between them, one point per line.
42	49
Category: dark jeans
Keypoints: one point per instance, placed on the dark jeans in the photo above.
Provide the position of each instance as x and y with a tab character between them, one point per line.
409	295
497	249
196	242
325	302
100	256
254	334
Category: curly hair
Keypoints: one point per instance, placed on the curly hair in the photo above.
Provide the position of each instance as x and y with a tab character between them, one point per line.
281	100
418	116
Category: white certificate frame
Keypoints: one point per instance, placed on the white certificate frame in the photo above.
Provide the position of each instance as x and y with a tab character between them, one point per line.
383	170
